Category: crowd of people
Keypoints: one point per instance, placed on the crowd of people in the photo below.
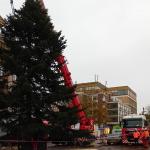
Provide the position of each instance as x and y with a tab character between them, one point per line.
143	136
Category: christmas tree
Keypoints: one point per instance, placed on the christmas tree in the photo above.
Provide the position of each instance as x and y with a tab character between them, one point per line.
37	91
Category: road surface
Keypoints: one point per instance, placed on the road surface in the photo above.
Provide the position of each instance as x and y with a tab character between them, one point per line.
101	147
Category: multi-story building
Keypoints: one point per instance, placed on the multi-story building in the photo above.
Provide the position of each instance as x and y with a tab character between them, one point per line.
111	104
2	44
94	97
2	88
126	96
10	78
116	111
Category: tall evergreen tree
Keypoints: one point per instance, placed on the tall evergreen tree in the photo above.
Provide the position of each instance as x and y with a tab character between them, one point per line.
38	93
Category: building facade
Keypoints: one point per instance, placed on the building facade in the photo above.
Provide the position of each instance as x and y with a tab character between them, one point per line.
116	111
107	105
94	97
2	44
126	96
5	76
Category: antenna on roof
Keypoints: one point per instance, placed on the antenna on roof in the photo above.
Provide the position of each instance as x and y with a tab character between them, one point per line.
96	77
12	6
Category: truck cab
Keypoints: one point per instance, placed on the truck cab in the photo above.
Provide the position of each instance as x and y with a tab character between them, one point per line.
131	123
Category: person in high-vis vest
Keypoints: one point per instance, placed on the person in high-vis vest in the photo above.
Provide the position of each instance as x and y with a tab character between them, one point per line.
136	136
145	138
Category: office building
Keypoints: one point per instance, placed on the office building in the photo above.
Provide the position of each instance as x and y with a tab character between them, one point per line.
116	110
110	104
126	96
94	97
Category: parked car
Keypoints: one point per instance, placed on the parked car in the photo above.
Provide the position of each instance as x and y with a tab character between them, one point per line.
114	137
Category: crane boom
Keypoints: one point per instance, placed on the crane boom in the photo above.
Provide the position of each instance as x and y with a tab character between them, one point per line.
85	123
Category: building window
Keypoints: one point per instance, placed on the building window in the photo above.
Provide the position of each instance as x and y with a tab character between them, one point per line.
132	95
112	105
113	112
114	119
120	92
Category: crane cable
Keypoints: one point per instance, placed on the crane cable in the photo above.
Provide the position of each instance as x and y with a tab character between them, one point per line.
12	6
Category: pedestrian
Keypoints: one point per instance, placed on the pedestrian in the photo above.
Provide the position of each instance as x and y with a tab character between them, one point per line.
145	138
136	135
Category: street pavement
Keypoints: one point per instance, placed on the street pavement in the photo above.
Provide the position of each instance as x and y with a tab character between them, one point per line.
101	147
96	147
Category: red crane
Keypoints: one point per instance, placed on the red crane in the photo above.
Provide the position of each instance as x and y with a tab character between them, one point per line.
85	123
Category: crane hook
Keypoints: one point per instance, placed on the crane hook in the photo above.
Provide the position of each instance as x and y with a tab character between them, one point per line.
12	6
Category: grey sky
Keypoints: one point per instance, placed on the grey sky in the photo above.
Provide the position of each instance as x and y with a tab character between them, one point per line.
110	38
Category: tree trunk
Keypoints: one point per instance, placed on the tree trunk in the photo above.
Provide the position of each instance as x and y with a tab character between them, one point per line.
25	146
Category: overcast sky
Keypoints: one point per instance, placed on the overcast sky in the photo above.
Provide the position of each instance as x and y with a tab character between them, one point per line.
110	38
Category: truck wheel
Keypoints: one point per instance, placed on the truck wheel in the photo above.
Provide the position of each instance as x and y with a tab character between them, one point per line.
109	143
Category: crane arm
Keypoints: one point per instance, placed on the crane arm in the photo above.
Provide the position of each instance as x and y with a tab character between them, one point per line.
85	123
